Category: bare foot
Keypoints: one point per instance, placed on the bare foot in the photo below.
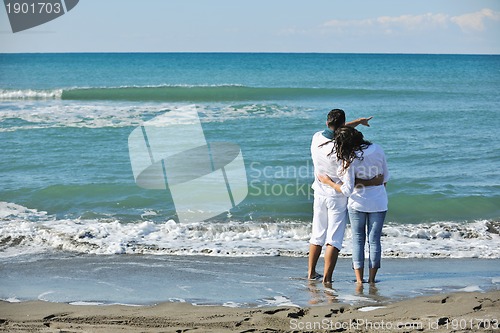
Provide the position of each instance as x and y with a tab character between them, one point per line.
315	277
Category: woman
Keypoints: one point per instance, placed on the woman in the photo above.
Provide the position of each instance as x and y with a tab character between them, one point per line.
367	206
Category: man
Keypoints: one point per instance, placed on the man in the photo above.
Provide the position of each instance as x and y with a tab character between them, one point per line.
330	207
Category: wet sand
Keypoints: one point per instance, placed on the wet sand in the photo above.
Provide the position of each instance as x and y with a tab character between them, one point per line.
463	311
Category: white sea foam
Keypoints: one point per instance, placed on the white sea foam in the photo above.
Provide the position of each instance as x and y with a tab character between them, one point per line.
351	299
81	115
12	210
85	303
371	308
24	230
29	94
471	289
42	296
25	115
278	301
232	304
12	300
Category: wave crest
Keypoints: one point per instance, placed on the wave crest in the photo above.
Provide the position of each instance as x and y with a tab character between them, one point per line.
190	93
30	94
27	230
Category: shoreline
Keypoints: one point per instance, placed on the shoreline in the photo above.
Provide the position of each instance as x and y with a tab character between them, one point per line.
250	282
460	311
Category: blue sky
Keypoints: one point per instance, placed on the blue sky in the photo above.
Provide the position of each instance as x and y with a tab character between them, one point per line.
382	26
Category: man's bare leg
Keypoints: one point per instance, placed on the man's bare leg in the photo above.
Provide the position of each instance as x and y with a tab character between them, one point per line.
314	253
331	255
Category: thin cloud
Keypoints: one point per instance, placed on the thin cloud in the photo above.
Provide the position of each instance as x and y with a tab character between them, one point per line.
390	24
348	23
408	22
414	22
475	21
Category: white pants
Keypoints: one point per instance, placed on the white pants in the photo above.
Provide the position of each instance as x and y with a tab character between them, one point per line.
329	220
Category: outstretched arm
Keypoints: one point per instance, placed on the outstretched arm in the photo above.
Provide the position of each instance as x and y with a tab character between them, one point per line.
359	121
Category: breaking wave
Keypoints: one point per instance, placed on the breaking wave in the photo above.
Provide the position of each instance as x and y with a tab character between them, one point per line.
24	230
200	93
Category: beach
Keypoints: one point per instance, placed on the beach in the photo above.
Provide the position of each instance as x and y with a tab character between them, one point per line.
253	294
458	312
85	246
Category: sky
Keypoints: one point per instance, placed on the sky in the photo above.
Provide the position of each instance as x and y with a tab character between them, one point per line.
330	26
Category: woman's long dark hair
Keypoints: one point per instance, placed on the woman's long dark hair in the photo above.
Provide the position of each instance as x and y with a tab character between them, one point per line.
348	141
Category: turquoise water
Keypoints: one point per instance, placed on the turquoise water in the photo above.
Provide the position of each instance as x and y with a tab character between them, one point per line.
65	121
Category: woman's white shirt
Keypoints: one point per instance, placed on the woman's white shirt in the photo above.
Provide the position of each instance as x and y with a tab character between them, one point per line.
368	199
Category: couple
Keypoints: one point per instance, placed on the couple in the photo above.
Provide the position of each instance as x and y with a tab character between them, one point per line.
350	172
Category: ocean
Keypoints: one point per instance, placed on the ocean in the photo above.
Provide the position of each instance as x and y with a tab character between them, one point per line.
68	188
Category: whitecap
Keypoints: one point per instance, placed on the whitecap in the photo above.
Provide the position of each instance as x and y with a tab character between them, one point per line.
25	230
371	308
470	289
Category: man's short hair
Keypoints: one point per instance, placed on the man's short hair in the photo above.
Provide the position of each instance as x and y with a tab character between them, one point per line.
336	118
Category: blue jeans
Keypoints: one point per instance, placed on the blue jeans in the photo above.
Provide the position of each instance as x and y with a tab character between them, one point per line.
362	224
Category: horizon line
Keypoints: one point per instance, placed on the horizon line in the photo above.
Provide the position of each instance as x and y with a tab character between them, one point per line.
244	52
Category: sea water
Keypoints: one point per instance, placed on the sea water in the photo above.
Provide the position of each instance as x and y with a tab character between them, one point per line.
232	281
67	186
